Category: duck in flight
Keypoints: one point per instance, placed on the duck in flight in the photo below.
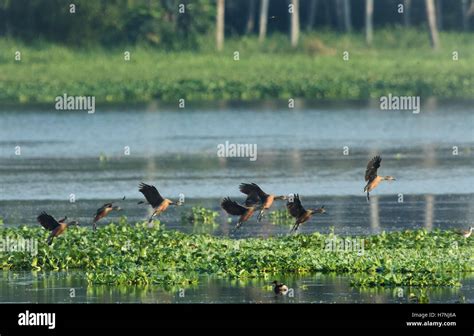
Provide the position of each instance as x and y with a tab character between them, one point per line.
57	227
243	211
157	202
296	210
103	211
254	192
371	176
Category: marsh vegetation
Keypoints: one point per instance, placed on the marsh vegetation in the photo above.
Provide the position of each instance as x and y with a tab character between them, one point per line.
125	253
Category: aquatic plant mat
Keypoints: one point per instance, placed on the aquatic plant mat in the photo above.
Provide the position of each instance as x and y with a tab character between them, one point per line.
136	254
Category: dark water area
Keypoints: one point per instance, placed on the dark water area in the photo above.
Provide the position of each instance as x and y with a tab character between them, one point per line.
71	287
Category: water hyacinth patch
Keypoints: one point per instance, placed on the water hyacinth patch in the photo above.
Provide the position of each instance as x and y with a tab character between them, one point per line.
199	214
137	254
281	217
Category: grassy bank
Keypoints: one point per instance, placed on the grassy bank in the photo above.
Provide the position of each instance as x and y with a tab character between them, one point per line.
400	63
125	254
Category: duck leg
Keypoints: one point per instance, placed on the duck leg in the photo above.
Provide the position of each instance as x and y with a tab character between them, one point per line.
236	227
151	218
294	228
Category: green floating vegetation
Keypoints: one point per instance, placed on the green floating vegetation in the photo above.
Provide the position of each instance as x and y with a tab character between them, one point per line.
200	215
281	217
125	254
202	219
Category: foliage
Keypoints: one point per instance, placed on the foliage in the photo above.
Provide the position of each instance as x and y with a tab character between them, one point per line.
160	23
200	215
281	217
262	72
108	23
125	254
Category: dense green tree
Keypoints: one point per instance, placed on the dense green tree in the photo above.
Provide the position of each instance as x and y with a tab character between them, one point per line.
180	24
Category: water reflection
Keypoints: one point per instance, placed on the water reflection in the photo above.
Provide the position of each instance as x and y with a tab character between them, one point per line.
429	212
347	215
61	287
374	215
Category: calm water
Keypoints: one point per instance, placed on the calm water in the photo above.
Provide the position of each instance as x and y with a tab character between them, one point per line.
56	287
298	151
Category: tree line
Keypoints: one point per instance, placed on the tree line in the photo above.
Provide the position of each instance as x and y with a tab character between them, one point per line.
179	24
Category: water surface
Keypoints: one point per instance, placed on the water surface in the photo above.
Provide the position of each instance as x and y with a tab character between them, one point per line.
298	150
318	150
318	288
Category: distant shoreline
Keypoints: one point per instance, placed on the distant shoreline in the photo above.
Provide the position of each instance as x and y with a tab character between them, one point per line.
262	104
263	72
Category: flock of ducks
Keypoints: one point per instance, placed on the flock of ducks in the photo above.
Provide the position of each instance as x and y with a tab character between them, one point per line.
256	200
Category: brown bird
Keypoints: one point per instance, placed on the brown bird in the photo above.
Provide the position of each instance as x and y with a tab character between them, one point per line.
253	192
371	176
235	209
153	197
103	211
56	227
296	210
279	288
